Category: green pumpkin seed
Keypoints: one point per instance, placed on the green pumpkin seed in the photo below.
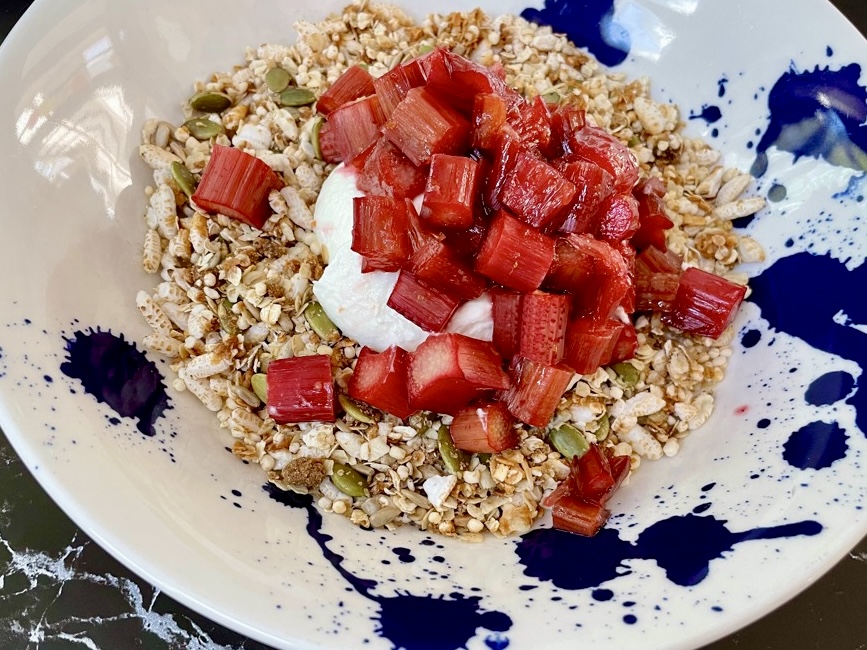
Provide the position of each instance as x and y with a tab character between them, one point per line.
485	459
348	481
202	128
353	410
551	97
320	323
634	141
626	373
454	459
569	441
604	428
314	137
228	320
259	383
424	48
297	97
277	79
209	101
184	178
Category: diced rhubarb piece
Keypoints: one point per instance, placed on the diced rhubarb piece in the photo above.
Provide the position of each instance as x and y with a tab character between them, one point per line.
379	379
705	303
536	192
652	218
379	232
301	389
514	254
392	87
419	233
590	344
385	171
354	126
626	345
657	275
425	306
618	218
467	243
566	120
544	317
447	371
484	428
532	122
598	146
506	314
435	265
489	116
423	124
329	144
452	186
506	151
592	475
576	515
237	185
628	254
458	80
593	185
536	390
353	84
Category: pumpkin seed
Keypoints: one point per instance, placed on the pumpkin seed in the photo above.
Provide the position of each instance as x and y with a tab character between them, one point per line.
569	441
604	428
259	383
551	97
485	459
277	79
627	373
424	48
228	320
320	323
209	101
353	410
202	128
348	481
454	459
297	97
314	137
184	178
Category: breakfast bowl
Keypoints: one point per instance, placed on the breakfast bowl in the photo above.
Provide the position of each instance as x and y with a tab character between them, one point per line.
752	492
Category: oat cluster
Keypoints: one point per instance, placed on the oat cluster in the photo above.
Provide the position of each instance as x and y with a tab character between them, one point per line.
231	297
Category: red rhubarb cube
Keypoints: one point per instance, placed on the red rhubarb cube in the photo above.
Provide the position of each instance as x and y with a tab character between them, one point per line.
379	379
392	87
617	219
458	80
355	126
590	344
379	232
427	307
536	390
536	192
485	428
437	266
329	144
423	124
447	371
544	317
593	185
489	117
237	185
301	389
514	254
657	275
704	304
385	171
652	218
626	345
467	243
353	84
566	120
506	313
532	122
580	516
598	146
450	193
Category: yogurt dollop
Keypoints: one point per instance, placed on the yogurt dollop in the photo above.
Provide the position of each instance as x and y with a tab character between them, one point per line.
357	302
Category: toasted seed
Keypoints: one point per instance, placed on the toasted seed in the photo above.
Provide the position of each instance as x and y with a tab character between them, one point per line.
552	97
184	178
484	459
569	441
209	101
424	48
626	373
314	136
348	481
259	383
454	459
228	320
383	516
297	97
320	323
353	410
201	128
603	429
277	79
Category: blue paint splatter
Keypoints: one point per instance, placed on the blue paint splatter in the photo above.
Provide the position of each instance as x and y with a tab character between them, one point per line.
399	615
721	87
497	642
709	113
830	388
751	338
819	114
816	446
115	372
588	23
602	595
777	193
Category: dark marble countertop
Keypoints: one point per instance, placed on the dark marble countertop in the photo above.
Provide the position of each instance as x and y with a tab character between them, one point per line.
60	591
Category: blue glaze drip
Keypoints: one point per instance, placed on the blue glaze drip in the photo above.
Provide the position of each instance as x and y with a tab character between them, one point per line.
721	87
115	372
710	114
588	23
777	193
751	338
819	114
497	642
602	595
830	388
816	446
399	615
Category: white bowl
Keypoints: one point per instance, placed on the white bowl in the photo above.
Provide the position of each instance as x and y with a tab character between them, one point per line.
760	502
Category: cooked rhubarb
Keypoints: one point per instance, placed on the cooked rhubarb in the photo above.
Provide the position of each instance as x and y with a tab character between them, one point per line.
652	219
505	152
237	185
576	515
392	87
467	243
301	389
459	80
451	190
657	275
618	218
506	313
383	170
544	317
423	124
514	254
704	304
536	390
437	266
489	116
447	371
329	147
354	126
485	428
594	185
353	84
626	345
566	120
532	122
597	146
590	343
427	307
536	192
380	232
379	379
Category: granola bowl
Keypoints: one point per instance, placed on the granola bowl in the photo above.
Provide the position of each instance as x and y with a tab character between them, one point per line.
745	450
